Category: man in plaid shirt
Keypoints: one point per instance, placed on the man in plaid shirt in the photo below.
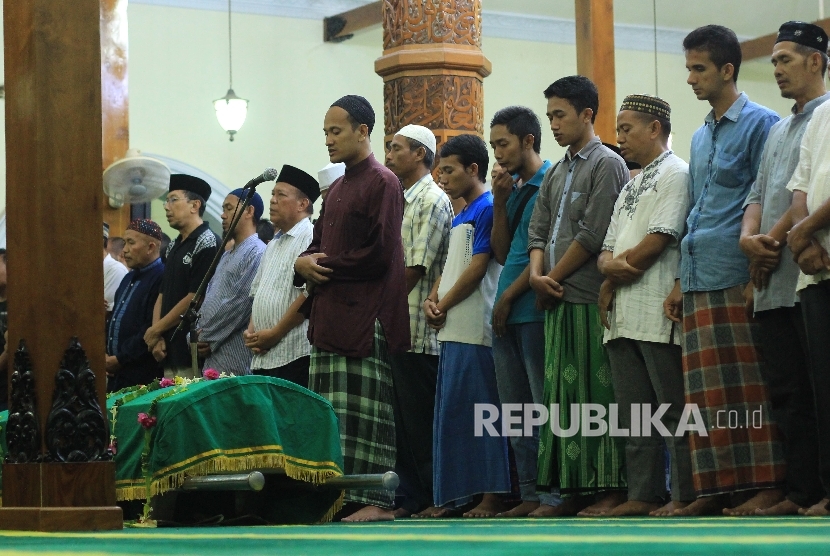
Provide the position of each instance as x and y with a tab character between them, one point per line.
427	219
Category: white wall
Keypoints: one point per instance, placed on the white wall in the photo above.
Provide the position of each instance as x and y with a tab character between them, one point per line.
178	66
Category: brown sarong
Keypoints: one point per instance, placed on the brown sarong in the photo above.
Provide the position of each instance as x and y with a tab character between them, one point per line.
722	375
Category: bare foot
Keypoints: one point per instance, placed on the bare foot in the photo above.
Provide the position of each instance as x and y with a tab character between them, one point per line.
490	505
705	505
668	509
370	513
762	500
817	509
401	512
432	511
633	507
608	502
522	510
785	507
567	508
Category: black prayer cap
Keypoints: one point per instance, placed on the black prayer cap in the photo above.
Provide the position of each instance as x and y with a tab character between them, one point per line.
647	104
183	182
803	33
300	180
359	109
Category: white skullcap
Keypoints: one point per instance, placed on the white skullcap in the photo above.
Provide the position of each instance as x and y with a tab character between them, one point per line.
329	173
421	134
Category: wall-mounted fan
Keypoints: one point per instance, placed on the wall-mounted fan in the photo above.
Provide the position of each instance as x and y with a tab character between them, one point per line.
135	179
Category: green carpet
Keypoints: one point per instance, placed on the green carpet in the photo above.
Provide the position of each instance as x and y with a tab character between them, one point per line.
782	536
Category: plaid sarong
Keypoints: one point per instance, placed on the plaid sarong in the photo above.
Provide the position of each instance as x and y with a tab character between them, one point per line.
360	390
722	375
577	371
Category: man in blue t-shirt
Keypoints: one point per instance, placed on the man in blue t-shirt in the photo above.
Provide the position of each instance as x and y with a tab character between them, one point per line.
460	307
519	327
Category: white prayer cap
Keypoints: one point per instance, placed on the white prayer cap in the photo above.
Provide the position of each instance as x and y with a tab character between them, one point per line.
421	134
329	173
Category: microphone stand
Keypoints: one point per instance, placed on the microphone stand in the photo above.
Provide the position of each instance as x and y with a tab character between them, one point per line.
190	316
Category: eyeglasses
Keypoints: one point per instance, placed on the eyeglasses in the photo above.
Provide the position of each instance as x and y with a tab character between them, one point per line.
171	200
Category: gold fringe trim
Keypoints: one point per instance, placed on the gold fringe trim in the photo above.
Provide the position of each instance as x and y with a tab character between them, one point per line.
223	464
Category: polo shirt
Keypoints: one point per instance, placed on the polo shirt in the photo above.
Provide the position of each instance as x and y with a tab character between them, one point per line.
187	262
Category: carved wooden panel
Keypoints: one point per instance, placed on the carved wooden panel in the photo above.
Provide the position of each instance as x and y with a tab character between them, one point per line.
431	21
435	101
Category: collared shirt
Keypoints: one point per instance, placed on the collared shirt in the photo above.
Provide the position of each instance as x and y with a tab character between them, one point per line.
114	272
655	201
274	293
770	191
359	230
523	309
575	204
812	176
725	156
187	263
427	219
226	310
132	315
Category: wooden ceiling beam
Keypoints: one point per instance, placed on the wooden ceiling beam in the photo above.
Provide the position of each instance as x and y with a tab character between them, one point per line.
343	26
762	46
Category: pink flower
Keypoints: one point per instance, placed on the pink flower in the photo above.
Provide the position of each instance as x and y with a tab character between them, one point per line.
113	447
146	421
166	382
211	374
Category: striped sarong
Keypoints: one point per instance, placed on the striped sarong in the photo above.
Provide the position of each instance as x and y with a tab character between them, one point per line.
360	390
722	376
577	371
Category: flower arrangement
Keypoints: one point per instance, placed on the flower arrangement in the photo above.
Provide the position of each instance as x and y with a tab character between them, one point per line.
211	374
146	421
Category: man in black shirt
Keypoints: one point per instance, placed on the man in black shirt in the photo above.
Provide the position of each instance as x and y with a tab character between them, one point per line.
187	262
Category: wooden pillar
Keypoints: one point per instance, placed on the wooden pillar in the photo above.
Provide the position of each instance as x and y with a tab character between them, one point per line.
432	67
115	113
55	276
595	60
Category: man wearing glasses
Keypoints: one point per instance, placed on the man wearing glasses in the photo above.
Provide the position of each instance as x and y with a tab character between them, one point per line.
188	260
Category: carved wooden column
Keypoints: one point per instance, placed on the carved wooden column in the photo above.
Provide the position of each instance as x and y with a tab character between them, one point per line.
56	475
432	66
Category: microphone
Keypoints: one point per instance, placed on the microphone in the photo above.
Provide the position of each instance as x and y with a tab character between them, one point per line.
268	175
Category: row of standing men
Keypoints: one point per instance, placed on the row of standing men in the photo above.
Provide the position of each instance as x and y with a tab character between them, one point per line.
569	284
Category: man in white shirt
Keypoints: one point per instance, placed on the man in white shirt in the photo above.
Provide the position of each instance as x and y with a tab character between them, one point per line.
277	333
640	256
114	272
809	240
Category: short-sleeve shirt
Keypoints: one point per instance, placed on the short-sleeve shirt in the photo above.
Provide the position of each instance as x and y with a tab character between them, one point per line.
655	201
186	265
575	204
427	218
812	176
469	321
778	163
725	156
523	309
273	294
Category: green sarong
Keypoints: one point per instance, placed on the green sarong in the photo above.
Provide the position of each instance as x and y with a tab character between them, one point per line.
577	372
360	391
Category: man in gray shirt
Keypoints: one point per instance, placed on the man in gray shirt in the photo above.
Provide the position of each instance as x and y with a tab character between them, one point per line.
799	70
569	221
